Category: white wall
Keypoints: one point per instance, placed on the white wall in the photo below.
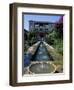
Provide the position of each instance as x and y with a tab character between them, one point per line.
4	46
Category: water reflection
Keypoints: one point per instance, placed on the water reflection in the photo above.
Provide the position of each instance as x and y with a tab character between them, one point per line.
41	68
42	54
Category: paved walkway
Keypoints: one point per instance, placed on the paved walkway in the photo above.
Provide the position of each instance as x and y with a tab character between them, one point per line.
33	48
53	52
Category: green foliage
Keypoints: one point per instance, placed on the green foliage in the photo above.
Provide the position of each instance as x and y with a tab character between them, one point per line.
55	38
31	37
30	40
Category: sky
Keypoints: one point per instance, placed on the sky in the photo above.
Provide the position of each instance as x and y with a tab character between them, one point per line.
48	18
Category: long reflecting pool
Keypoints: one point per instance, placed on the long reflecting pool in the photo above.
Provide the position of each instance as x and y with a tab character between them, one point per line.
42	54
40	62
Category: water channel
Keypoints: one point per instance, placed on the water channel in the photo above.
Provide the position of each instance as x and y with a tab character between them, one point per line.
42	57
42	54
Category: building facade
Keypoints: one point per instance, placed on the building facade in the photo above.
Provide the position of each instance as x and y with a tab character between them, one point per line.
40	25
